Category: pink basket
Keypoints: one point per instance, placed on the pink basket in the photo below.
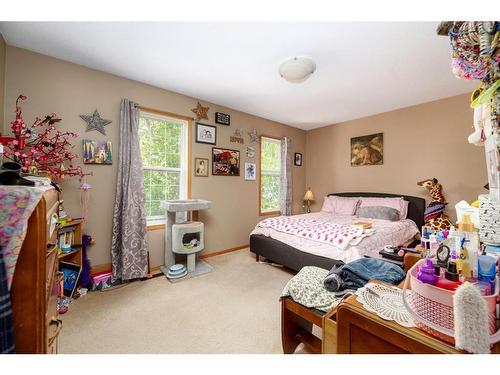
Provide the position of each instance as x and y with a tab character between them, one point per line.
432	307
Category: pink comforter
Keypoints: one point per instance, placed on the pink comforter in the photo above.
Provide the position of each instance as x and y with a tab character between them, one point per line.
386	233
339	235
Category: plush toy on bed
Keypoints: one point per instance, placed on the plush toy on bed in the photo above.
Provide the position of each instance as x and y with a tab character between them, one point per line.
434	215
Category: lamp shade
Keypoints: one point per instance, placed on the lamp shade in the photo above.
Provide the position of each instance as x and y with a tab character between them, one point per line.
309	196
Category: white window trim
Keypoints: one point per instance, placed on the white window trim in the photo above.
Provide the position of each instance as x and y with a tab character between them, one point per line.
184	167
265	172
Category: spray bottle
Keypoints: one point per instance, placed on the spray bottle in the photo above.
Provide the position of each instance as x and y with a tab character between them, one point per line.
469	244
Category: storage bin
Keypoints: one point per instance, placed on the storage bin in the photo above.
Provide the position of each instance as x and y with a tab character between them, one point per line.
489	220
432	307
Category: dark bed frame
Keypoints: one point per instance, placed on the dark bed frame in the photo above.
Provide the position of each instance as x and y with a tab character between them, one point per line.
290	257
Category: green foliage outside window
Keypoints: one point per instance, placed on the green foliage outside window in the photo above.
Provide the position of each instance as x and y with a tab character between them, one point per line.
160	142
270	174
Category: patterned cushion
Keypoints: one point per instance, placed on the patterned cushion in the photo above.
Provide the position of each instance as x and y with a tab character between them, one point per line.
307	289
379	212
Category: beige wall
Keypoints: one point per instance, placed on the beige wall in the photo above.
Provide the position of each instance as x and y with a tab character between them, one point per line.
423	141
2	79
427	140
70	90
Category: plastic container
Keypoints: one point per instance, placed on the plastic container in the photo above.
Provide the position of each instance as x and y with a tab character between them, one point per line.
432	307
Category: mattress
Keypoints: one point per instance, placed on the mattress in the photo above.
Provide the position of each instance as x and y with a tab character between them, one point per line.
386	232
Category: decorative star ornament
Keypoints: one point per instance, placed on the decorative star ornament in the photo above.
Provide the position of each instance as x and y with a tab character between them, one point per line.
200	112
95	122
254	136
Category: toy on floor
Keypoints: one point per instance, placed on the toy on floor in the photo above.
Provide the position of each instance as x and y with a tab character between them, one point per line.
85	278
434	215
63	304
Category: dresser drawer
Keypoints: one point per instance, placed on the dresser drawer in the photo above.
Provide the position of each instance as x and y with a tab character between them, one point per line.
54	325
52	205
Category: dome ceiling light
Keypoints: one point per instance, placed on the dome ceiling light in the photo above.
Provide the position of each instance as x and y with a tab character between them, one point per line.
297	69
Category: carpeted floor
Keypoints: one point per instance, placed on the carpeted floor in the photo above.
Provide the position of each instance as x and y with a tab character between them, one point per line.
234	309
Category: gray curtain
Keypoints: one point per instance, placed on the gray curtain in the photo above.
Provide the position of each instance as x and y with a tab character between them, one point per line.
286	177
129	247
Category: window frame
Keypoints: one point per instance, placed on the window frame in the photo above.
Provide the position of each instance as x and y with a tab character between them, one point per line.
274	212
158	222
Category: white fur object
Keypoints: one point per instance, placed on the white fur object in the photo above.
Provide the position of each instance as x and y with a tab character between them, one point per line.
471	320
482	124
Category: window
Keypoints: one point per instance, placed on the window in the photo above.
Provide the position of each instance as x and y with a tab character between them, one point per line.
164	150
270	171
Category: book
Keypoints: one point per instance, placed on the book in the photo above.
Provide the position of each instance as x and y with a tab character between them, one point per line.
362	224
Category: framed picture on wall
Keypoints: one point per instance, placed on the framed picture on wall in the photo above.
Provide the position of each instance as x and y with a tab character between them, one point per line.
298	159
225	162
206	134
201	167
250	171
367	150
97	152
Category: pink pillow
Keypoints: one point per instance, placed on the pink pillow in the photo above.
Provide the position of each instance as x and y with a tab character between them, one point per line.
397	203
327	205
340	205
344	205
403	214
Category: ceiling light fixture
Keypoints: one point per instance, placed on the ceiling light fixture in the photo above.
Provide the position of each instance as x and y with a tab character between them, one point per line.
297	69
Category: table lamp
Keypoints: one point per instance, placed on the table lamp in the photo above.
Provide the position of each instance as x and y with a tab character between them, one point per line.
308	197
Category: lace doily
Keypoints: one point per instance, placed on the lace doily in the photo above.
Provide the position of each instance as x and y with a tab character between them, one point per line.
386	302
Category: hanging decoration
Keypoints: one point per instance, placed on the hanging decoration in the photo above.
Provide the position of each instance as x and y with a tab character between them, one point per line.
476	56
237	137
95	122
85	198
200	112
471	44
250	152
254	136
41	148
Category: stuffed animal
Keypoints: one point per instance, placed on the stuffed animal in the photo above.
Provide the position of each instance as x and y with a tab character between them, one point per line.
434	215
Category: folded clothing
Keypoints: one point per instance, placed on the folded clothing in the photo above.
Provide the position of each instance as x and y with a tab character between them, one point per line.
306	288
347	278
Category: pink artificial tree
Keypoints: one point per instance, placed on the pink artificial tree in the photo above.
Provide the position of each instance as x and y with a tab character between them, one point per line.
41	148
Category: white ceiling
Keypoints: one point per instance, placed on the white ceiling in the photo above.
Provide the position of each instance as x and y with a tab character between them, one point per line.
362	68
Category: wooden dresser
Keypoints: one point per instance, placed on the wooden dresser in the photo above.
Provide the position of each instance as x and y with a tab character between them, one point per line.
35	283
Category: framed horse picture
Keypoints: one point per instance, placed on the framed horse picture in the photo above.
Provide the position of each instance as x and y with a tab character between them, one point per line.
367	150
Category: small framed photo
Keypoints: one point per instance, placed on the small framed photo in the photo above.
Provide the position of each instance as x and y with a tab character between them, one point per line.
201	167
222	118
298	159
206	134
250	171
97	152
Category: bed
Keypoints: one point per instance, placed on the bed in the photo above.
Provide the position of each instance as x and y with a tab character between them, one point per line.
291	256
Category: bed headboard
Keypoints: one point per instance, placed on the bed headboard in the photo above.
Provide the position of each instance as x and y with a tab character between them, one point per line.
416	207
